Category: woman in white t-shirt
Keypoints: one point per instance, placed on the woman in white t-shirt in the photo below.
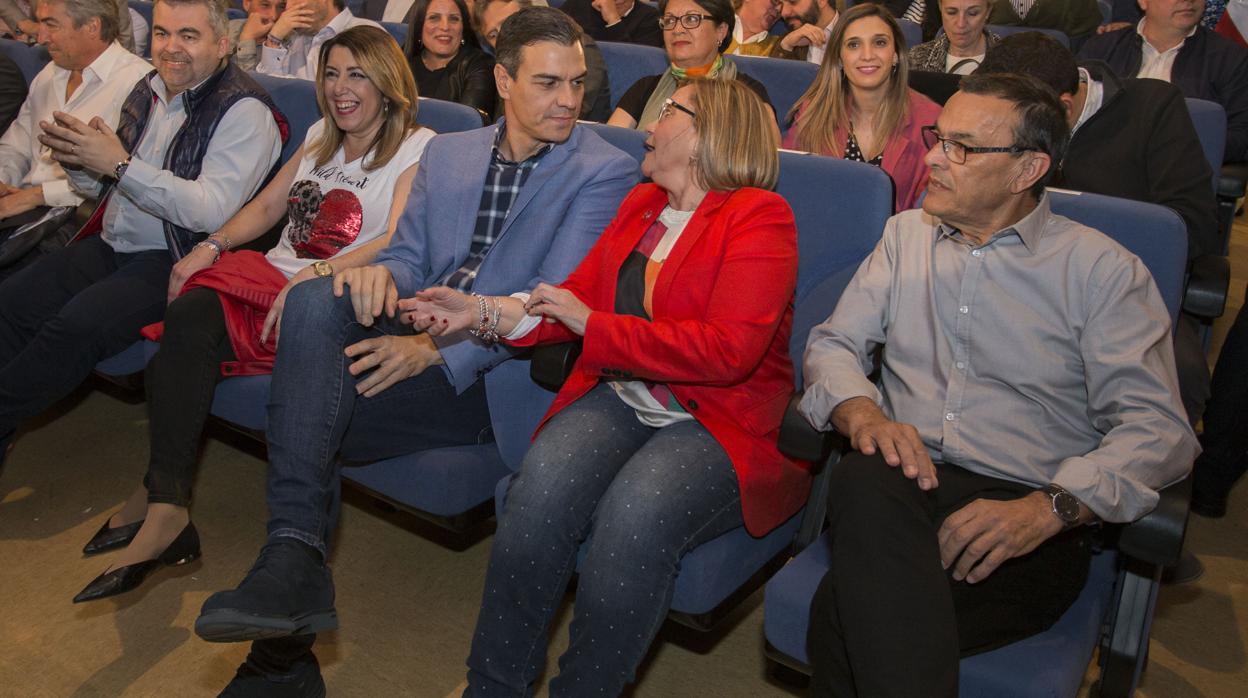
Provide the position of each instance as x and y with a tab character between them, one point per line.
343	192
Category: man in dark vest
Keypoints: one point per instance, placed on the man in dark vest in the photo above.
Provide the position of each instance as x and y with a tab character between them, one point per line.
196	139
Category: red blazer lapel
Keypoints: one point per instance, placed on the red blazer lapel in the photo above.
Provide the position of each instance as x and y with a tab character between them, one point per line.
693	231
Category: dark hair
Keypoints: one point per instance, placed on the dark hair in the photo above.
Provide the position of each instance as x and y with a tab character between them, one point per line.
1038	55
1041	119
721	13
416	27
528	27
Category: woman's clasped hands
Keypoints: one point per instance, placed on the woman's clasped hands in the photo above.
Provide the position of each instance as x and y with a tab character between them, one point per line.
441	310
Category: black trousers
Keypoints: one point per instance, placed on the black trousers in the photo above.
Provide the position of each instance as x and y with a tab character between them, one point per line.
887	620
1225	438
181	380
65	313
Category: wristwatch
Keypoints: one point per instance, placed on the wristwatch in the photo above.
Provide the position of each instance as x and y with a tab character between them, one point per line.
1065	505
119	170
322	268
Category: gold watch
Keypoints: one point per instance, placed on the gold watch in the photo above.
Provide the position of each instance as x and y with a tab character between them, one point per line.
322	268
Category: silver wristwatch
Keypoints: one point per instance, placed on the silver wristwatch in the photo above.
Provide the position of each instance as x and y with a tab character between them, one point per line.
1065	505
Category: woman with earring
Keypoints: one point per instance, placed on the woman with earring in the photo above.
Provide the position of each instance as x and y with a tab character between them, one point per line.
342	192
859	106
446	59
664	435
695	35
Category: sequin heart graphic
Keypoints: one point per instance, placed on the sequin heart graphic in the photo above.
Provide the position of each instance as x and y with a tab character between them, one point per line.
322	225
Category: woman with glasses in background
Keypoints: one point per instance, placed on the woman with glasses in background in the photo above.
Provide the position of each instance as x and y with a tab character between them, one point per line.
695	34
859	106
664	435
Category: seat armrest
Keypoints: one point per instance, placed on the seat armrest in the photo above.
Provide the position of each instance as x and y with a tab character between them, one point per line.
1158	537
1207	281
551	364
798	439
1232	180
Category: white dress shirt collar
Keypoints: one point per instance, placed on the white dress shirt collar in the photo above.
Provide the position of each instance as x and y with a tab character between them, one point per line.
738	33
97	71
1093	101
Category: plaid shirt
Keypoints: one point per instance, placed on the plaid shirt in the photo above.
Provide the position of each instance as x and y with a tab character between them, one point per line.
503	183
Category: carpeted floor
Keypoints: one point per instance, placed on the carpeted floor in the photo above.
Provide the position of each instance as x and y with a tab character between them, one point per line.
407	603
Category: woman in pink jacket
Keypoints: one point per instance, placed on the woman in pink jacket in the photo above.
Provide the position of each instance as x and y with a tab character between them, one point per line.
859	106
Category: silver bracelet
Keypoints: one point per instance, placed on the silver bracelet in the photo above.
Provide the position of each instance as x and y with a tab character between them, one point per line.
213	245
485	329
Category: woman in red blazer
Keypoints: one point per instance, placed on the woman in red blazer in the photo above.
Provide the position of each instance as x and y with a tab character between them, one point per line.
859	106
664	436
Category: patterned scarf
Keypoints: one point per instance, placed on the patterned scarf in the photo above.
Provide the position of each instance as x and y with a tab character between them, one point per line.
721	68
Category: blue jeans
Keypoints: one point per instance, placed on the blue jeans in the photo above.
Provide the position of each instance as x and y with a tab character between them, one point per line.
315	414
643	497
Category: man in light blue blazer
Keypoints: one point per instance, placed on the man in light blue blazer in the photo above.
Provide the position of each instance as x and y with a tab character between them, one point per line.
495	211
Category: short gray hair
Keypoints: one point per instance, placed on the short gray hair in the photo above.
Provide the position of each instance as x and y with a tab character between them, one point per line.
82	11
218	18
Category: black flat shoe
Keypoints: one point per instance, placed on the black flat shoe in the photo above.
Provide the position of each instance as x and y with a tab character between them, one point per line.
182	550
107	539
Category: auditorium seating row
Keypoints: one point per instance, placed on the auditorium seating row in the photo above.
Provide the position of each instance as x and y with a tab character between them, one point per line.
397	29
840	208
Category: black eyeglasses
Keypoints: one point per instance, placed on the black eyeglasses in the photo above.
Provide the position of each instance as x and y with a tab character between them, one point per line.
669	104
957	152
690	21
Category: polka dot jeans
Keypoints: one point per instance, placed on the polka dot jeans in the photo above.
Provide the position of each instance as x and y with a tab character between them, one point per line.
633	499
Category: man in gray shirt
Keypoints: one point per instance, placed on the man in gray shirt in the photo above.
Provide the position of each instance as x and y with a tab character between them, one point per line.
1026	388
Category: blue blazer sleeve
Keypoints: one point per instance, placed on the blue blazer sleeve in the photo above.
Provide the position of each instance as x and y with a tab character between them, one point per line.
545	245
407	254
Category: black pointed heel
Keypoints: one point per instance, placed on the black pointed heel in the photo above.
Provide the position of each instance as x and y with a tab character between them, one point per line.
107	539
183	549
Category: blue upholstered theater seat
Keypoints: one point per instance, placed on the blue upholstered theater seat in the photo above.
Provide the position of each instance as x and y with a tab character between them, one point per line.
447	117
628	63
398	30
988	675
629	140
297	100
1051	663
1153	233
129	362
840	208
912	31
785	80
456	484
30	59
1209	119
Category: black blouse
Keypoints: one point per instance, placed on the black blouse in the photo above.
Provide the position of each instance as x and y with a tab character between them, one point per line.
468	79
